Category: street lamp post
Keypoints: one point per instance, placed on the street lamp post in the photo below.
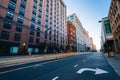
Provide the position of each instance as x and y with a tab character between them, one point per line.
70	47
24	48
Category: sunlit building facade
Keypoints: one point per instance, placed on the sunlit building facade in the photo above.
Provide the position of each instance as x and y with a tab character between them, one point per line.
91	43
114	17
71	34
81	33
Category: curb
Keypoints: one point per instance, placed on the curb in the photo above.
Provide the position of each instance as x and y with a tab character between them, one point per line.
111	65
113	68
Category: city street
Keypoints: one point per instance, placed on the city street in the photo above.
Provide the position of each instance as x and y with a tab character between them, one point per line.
91	66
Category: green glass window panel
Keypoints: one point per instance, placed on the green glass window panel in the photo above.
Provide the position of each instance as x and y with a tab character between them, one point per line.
107	26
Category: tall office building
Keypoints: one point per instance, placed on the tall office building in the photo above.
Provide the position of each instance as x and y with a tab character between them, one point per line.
81	33
55	37
91	43
32	26
114	17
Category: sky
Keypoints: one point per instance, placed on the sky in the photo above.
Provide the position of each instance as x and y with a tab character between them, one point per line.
89	13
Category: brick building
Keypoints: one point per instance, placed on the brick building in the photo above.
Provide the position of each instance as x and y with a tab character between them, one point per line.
71	34
32	26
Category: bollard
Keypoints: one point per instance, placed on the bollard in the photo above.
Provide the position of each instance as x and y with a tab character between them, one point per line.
29	53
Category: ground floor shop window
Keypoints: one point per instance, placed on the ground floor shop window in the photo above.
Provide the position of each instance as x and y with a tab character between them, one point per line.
13	50
36	50
30	50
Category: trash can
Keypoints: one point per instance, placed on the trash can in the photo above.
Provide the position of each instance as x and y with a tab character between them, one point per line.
111	54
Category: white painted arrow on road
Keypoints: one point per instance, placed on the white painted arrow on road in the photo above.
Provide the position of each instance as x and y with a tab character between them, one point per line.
97	71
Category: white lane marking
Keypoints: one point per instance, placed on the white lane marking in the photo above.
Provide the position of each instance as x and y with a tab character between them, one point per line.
37	65
76	65
88	58
84	60
55	78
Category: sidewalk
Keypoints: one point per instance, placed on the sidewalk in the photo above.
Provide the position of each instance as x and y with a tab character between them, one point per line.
6	61
114	62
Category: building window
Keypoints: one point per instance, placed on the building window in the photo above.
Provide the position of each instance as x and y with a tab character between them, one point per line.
11	6
71	18
47	10
35	1
36	50
22	11
23	4
50	38
50	13
7	25
55	21
20	19
5	35
41	0
39	15
46	19
31	40
37	41
54	39
13	50
9	15
34	12
45	36
54	25
40	9
47	15
46	25
33	18
14	1
47	4
50	22
17	37
31	32
40	3
38	28
50	18
39	22
19	28
50	32
38	33
51	28
33	25
35	6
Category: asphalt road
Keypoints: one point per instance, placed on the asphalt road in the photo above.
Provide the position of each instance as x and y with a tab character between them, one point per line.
91	66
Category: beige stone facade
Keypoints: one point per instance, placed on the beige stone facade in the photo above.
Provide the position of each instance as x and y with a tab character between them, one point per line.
114	17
